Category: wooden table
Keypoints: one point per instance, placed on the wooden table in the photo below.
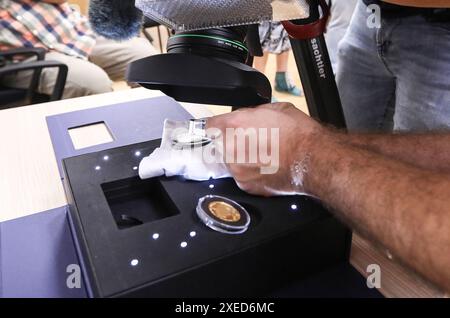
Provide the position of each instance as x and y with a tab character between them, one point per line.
30	182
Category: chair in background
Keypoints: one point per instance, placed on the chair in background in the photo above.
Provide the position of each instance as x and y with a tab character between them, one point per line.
14	97
149	23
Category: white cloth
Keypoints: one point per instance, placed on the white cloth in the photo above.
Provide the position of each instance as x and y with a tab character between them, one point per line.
199	164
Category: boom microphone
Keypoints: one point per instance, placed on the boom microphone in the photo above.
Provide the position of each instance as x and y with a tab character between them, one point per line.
115	19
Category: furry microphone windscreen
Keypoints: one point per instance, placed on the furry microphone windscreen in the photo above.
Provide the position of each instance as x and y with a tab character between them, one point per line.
115	19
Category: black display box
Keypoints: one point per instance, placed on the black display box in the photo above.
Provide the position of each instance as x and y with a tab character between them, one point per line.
142	238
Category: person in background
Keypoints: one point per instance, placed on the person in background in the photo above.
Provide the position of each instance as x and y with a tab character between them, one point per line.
54	25
341	12
275	40
394	66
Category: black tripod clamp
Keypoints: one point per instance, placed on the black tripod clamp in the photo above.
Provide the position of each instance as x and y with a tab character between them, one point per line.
314	65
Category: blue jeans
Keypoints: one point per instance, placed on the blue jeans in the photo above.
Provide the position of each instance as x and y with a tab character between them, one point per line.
395	77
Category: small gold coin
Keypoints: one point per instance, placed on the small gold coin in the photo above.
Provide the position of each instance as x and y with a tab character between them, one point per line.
224	211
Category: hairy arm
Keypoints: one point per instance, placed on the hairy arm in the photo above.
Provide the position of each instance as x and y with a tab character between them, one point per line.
426	151
422	3
379	188
405	208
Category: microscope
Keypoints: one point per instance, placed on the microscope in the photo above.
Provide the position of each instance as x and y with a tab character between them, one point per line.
210	55
169	237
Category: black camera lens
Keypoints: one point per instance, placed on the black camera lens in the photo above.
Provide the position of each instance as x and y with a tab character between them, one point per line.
206	66
226	43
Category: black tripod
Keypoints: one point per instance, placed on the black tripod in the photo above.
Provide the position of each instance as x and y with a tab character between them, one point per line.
316	73
314	65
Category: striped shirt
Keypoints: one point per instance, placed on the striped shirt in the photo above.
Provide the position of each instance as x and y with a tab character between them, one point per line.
33	23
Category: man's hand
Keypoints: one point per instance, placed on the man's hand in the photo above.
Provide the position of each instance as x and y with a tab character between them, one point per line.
296	131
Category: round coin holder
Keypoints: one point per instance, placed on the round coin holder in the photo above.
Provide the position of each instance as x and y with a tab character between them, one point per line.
222	224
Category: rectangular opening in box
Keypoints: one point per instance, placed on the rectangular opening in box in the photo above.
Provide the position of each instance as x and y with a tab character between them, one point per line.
90	135
135	202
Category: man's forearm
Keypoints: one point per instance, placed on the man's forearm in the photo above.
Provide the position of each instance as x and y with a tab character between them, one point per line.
422	3
428	151
388	200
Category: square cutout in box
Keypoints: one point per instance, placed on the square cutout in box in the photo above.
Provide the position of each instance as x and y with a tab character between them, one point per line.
90	135
135	202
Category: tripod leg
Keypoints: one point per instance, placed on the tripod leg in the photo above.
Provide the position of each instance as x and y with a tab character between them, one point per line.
314	65
318	80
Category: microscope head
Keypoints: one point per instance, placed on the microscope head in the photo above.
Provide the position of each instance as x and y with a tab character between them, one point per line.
210	54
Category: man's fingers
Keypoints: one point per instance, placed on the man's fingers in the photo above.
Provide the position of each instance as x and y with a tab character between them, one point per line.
225	121
271	106
217	122
277	106
254	188
229	120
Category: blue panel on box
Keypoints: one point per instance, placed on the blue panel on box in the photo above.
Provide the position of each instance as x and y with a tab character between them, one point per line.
37	257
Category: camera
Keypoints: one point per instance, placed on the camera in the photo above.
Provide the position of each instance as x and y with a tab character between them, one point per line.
211	66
